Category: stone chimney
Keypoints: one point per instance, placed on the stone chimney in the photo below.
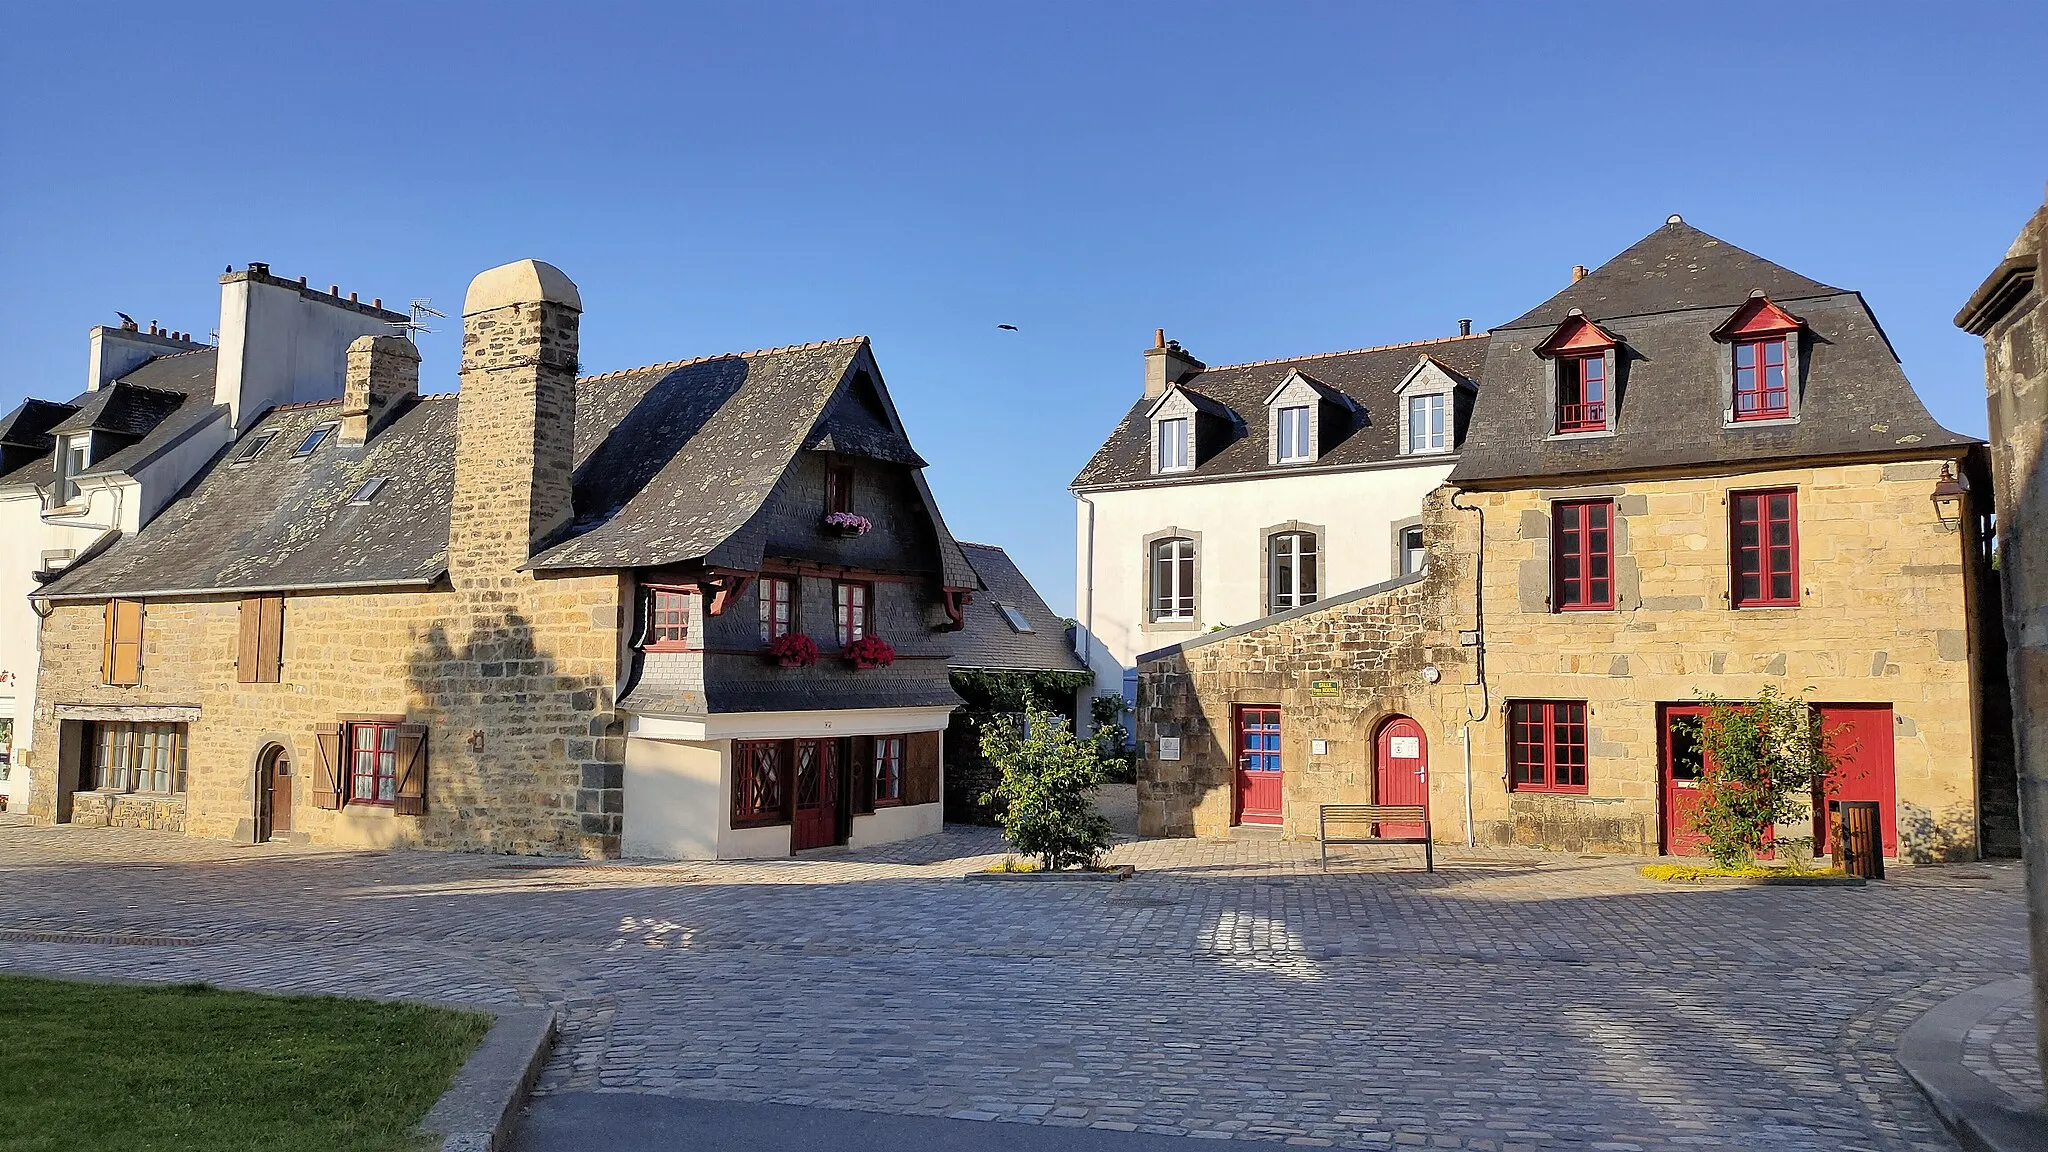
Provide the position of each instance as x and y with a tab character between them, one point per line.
515	428
1166	365
1578	273
383	371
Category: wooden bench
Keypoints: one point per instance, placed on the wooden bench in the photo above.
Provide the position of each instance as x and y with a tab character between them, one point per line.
1371	816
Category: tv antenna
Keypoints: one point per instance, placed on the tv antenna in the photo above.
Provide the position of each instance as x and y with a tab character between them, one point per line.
421	306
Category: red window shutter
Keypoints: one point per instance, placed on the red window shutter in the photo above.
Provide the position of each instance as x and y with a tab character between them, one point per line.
861	771
921	768
249	644
327	785
410	796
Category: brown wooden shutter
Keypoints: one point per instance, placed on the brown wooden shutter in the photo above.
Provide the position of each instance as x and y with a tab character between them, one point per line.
410	798
124	642
921	768
327	785
249	641
861	770
270	640
107	647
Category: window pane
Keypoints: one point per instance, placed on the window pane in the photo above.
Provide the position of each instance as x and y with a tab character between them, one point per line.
1745	355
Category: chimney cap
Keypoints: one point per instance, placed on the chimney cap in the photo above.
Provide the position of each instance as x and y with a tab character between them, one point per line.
385	345
1464	325
521	282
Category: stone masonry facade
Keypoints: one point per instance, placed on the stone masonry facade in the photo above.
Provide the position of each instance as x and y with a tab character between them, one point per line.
1889	613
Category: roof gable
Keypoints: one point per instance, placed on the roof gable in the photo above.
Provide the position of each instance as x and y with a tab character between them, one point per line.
987	640
1758	317
1575	334
1430	376
1675	267
1301	388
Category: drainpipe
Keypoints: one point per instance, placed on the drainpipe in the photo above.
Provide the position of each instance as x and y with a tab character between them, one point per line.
1468	785
1088	593
1478	654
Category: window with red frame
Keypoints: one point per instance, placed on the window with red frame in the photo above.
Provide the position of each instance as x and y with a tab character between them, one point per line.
1582	394
758	792
850	601
668	619
373	763
1761	391
1547	745
778	607
839	488
1581	555
1765	548
888	770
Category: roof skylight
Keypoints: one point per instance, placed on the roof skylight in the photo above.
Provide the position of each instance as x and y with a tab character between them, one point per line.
254	448
1016	618
368	491
313	440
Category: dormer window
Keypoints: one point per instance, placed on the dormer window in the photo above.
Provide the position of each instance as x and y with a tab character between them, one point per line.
1582	393
74	455
1171	442
1760	382
1293	444
1435	400
1426	431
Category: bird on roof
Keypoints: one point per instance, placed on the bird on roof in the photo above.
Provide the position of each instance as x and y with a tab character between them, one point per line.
1007	327
127	321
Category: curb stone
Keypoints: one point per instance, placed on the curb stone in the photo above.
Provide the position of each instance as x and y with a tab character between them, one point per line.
1110	874
1982	1117
481	1105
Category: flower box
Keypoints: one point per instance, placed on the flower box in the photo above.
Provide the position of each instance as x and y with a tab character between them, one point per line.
793	650
847	524
868	652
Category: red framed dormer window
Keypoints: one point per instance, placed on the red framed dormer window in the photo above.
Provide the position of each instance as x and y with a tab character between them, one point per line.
1764	548
1582	555
1761	391
850	604
1582	393
668	620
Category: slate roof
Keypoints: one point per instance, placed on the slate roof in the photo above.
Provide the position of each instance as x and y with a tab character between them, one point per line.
1663	298
673	461
1365	378
154	406
987	641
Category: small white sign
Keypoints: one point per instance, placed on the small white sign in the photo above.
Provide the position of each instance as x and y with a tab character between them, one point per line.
1405	748
1169	747
1319	747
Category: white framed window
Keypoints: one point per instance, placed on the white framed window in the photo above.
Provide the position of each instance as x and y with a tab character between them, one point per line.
74	456
1290	570
1292	443
1173	579
1408	544
1426	432
1170	445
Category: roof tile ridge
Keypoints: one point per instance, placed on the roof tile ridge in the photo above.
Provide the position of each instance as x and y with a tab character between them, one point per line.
1343	352
305	404
672	365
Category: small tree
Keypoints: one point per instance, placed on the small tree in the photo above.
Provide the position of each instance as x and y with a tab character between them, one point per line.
1762	762
1047	789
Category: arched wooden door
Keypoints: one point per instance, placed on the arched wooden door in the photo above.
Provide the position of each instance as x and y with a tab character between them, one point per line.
1401	770
274	793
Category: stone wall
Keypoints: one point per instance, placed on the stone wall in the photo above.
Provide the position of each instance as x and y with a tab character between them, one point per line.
1888	614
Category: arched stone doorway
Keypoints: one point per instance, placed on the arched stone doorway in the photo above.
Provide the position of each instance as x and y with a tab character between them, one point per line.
273	794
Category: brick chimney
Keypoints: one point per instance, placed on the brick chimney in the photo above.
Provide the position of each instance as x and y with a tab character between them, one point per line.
383	371
1166	365
515	428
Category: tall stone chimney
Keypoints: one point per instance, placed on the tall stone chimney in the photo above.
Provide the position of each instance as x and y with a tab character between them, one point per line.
1166	365
383	371
515	428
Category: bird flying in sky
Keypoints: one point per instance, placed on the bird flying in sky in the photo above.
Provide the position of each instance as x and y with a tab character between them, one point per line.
1007	327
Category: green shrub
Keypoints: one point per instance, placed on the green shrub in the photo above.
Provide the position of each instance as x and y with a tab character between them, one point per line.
1047	790
1113	741
1762	763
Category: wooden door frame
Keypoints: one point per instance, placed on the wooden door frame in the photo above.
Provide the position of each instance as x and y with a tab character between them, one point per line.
266	767
1379	734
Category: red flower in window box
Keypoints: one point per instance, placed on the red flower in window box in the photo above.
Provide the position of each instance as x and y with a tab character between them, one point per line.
793	650
869	652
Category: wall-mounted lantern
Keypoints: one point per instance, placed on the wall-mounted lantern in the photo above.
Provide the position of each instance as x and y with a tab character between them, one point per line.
1948	499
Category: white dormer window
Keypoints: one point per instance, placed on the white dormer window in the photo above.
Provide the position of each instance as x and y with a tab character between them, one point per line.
1170	452
1426	424
1293	440
74	455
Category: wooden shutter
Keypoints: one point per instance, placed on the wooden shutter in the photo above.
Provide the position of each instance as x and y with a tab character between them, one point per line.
249	642
410	797
327	785
122	658
921	768
861	770
270	640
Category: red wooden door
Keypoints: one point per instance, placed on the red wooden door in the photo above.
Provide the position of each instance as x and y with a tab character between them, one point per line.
1679	772
814	818
1401	771
1862	742
1258	766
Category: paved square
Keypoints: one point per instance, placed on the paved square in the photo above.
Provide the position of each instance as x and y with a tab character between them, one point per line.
1231	990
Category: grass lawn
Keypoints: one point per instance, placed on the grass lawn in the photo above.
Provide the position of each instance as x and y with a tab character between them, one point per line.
191	1067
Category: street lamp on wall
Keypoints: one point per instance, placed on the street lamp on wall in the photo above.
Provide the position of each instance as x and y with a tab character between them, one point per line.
1949	493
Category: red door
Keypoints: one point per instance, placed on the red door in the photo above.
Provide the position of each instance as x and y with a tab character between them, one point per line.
1679	772
1401	771
1861	739
814	820
1258	766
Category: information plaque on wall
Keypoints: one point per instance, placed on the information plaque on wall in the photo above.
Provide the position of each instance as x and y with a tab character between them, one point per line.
1324	688
1169	747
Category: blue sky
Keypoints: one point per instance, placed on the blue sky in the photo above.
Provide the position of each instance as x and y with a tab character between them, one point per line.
1262	180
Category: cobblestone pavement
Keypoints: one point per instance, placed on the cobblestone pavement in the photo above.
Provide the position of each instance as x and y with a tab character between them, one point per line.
1231	990
2001	1049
